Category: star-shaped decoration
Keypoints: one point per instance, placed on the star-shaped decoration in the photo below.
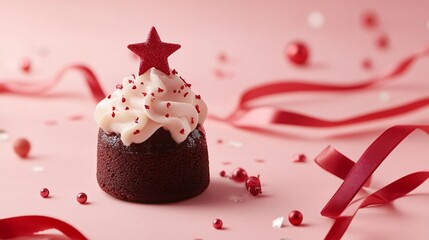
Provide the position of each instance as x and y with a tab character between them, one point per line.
154	53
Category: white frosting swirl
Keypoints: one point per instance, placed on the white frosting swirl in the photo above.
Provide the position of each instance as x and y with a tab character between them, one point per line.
139	106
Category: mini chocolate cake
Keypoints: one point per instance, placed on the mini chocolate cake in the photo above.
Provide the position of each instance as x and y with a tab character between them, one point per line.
155	171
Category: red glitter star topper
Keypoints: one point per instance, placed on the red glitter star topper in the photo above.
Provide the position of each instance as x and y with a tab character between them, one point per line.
154	53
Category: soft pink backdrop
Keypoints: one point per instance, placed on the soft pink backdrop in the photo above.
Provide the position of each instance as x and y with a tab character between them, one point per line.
253	34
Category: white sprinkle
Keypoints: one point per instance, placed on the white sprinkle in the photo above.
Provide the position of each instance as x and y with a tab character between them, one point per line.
236	199
38	169
316	19
278	222
384	96
235	144
4	136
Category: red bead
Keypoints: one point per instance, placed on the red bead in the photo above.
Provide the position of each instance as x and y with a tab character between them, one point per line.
239	175
300	157
297	52
222	173
25	65
382	41
44	192
367	64
295	217
22	147
217	223
369	19
253	185
81	198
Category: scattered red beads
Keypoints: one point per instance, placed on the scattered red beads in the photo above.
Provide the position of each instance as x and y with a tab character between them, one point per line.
239	175
82	198
44	192
25	65
295	217
253	185
369	19
217	223
222	173
22	147
297	53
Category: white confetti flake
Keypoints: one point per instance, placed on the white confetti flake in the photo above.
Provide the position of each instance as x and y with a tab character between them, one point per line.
278	222
235	144
384	96
38	169
316	19
4	136
236	199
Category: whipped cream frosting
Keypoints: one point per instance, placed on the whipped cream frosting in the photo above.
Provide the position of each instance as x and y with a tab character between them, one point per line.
141	105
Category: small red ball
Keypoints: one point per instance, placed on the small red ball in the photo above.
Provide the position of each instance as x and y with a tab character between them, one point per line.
253	185
367	64
217	223
25	65
44	192
239	175
298	53
22	147
369	19
382	41
295	217
222	173
82	198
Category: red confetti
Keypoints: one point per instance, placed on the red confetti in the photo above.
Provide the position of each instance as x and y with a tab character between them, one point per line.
136	132
124	100
197	96
127	108
220	141
367	64
160	90
82	198
119	86
167	115
22	147
182	131
186	94
222	57
382	41
369	19
130	81
168	104
144	94
154	53
295	217
147	106
137	120
25	65
134	87
113	114
197	107
297	53
259	160
109	96
192	120
76	117
174	72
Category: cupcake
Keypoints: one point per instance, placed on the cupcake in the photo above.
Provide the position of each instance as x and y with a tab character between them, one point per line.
151	141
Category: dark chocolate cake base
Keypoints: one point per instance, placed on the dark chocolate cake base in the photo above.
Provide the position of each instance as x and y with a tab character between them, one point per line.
156	171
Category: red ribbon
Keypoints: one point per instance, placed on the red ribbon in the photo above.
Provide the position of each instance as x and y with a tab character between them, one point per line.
37	88
357	174
291	118
29	225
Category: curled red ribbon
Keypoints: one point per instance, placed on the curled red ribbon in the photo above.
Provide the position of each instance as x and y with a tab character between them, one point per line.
339	206
29	225
291	118
37	88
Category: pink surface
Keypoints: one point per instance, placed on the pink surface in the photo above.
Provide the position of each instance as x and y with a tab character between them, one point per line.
253	36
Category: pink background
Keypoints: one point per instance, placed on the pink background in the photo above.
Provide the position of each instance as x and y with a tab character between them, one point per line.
253	35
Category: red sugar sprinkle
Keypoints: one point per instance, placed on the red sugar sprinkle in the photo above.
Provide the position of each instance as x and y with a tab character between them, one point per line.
182	131
153	99
222	173
127	108
113	114
174	72
134	76
167	115
152	94
119	86
123	99
198	108
220	141
182	87
174	91
160	90
369	19
144	94
134	87
141	83
186	94
26	65
367	64
192	120
146	106
130	81
179	91
259	160
109	96
137	120
198	96
136	132
382	41
168	105
113	108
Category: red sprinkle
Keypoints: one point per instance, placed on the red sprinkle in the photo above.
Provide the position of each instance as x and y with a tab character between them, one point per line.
137	120
134	76
198	96
220	141
147	106
119	86
222	173
186	94
127	108
152	94
239	175
382	41
179	91
22	147
142	83
26	65
123	99
168	105
198	108
174	72
167	115
136	132
182	131
113	114
144	94
113	108
109	96
160	90
174	91
130	81
134	87
182	87
192	120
